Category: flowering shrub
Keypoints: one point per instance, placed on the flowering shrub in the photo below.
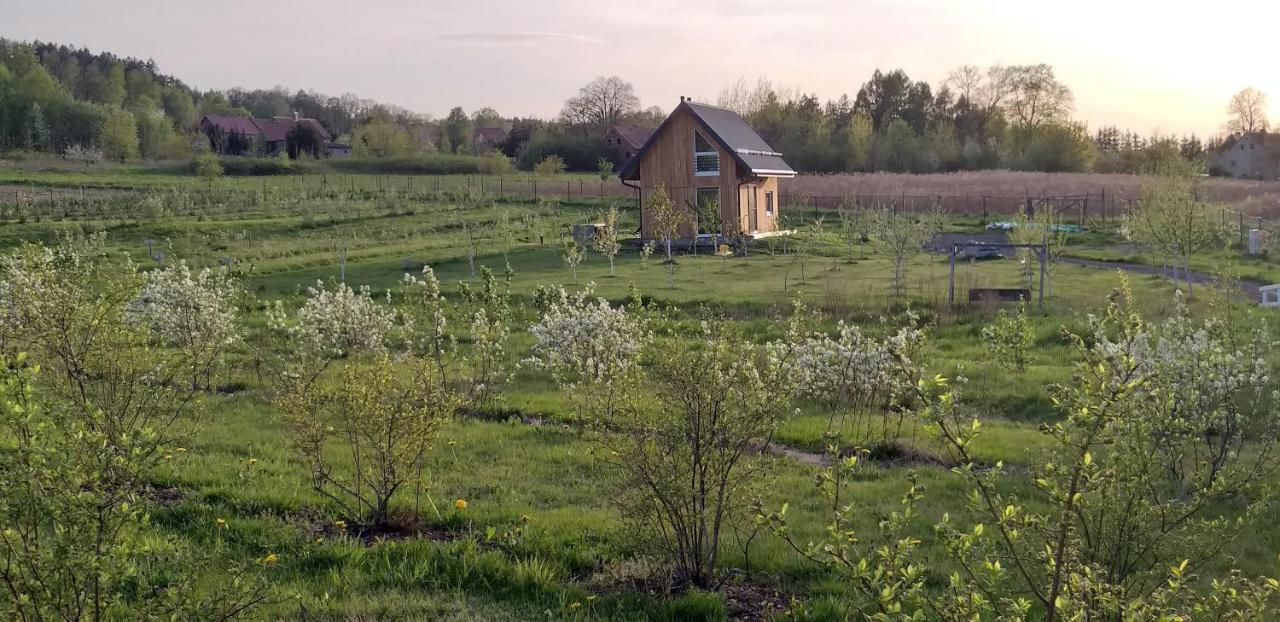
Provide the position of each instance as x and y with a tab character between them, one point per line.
193	311
485	363
584	340
337	322
852	372
79	442
1163	445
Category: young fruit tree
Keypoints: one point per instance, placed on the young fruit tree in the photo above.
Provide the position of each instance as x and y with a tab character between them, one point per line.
1010	338
665	219
572	253
855	227
606	238
1170	221
903	236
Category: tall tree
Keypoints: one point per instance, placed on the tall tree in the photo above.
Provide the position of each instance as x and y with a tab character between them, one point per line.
884	97
600	104
457	128
1037	96
1247	111
119	140
488	117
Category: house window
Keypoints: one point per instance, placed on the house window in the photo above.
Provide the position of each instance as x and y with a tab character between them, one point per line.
768	202
706	160
708	212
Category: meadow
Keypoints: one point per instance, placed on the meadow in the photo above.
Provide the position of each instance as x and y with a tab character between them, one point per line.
521	517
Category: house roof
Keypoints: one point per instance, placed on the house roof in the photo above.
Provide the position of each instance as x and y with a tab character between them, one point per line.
231	123
634	135
271	130
732	132
278	128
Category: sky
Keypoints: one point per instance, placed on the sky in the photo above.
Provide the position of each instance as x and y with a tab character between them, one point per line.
1166	67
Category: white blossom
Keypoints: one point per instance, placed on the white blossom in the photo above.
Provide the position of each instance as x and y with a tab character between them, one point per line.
337	322
583	339
187	310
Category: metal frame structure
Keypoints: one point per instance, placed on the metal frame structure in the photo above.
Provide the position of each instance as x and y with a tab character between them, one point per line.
1041	250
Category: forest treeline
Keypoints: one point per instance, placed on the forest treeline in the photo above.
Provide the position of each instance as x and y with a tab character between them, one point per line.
95	105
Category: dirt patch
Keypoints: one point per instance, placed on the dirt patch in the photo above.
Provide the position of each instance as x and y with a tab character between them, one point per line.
402	526
884	455
895	454
753	602
164	495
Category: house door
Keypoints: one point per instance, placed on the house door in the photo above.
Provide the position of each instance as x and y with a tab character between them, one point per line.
752	225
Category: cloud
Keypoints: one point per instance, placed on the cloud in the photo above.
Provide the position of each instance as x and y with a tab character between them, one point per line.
515	37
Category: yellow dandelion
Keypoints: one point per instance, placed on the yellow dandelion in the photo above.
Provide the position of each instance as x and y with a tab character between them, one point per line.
452	442
319	540
181	450
341	524
168	456
253	460
591	597
270	559
222	522
575	605
460	504
524	518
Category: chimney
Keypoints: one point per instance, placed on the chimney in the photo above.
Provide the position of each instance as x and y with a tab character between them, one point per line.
682	99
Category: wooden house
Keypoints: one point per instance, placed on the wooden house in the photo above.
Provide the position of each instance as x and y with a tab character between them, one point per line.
625	141
714	167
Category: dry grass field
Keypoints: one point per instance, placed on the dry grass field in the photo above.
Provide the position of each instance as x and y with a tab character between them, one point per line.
1004	191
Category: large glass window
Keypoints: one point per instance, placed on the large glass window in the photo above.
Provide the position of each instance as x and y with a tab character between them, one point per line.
706	160
708	215
768	202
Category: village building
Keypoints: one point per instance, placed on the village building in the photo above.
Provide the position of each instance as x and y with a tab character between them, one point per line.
625	141
1255	155
233	135
713	166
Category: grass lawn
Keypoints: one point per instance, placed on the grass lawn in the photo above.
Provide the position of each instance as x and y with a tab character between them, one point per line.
544	478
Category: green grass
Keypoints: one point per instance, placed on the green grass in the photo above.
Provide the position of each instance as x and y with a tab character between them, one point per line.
239	465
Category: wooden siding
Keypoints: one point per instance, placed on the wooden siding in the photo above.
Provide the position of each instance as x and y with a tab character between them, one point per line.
764	222
669	160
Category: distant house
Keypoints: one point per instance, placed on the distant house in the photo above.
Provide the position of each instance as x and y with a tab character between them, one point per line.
232	135
1255	155
625	141
338	150
714	166
488	137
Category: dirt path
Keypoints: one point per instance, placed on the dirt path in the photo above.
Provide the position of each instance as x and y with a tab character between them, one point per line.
1248	286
